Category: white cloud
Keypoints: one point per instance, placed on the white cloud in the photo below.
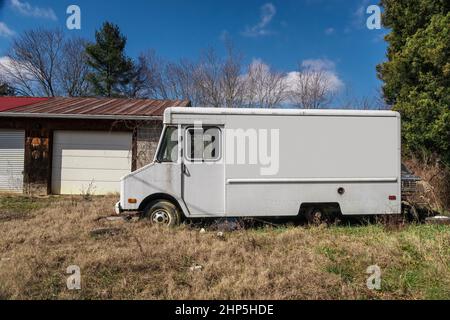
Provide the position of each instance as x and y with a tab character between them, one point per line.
268	11
27	9
329	31
318	64
290	80
5	31
5	63
325	66
5	66
11	69
358	20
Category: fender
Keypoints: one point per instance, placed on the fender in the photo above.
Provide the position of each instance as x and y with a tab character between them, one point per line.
179	202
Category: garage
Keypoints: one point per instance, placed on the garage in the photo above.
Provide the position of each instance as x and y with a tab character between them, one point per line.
12	154
76	145
90	162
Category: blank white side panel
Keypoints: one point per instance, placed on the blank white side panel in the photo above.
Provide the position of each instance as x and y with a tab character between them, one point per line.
90	161
317	156
11	160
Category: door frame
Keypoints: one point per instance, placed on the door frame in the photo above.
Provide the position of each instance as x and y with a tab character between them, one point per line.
219	161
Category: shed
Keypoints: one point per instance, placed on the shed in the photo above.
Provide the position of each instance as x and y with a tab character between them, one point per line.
76	145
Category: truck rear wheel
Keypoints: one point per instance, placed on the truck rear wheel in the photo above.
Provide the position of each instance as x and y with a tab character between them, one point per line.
163	213
316	215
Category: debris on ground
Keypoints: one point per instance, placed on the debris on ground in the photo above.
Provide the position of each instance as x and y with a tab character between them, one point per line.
220	235
227	224
443	220
105	232
122	217
202	230
196	268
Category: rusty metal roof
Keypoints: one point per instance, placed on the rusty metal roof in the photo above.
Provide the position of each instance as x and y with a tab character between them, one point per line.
7	103
97	107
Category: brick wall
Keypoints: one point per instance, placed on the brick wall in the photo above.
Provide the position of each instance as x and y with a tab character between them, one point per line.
147	142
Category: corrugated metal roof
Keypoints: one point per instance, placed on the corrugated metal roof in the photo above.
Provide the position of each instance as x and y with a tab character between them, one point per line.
85	107
7	103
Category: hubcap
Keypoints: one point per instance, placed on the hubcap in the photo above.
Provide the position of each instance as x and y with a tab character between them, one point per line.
161	217
317	216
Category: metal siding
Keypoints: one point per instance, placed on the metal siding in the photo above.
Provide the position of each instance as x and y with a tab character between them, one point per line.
83	158
12	155
317	155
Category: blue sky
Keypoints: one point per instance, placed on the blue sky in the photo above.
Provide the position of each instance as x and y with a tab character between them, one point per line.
281	33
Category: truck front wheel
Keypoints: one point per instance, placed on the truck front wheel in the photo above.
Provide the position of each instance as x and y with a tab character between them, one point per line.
163	213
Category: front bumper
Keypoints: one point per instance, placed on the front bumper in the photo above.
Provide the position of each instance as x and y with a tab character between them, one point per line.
117	208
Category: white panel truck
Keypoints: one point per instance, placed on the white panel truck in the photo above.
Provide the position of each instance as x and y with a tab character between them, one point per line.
214	162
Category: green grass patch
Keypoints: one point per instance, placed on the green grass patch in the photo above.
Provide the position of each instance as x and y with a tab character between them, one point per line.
19	207
341	263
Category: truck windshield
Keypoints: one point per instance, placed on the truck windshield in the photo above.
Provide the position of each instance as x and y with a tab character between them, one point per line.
168	152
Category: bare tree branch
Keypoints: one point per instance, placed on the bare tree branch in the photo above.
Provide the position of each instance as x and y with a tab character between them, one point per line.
181	81
232	85
311	89
209	79
264	88
72	69
43	63
34	58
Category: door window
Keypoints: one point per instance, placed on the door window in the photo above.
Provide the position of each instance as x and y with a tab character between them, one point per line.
203	144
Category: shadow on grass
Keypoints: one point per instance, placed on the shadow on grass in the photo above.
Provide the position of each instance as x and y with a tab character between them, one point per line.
389	222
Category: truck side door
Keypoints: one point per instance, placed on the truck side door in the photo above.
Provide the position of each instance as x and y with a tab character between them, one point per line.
204	171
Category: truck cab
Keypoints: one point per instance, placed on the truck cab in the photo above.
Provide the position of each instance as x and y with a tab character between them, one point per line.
187	172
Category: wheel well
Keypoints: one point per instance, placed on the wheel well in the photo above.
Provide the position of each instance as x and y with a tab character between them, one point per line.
331	207
159	196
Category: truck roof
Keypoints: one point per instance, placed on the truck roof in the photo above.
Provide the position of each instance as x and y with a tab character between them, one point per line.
277	112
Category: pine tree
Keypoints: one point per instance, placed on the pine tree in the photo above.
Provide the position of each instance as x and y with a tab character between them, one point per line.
112	69
6	89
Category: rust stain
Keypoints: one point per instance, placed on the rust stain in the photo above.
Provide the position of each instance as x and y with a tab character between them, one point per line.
35	142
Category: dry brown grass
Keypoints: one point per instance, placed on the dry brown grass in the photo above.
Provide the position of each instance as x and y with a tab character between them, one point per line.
434	189
138	261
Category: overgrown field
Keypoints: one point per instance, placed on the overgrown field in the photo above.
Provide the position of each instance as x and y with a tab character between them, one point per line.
40	238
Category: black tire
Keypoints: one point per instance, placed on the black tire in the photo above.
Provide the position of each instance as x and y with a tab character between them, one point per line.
412	214
163	213
316	215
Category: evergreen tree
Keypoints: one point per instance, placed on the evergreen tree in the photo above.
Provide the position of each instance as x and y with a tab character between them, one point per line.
6	89
417	74
111	68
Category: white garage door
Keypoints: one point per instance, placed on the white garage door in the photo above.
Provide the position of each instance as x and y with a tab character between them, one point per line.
90	161
11	160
